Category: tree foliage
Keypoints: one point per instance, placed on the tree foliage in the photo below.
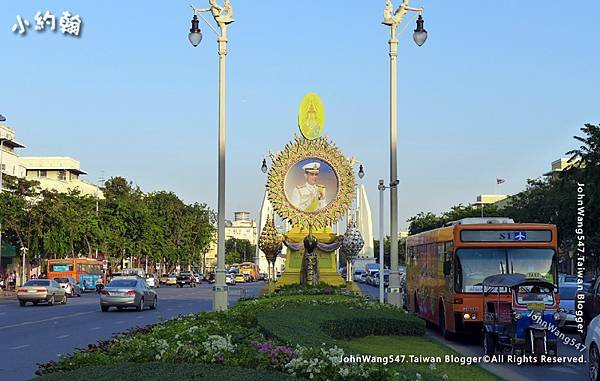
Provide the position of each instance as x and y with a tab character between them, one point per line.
129	223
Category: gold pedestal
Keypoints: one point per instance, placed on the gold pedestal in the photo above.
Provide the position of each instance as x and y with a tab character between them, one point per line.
327	261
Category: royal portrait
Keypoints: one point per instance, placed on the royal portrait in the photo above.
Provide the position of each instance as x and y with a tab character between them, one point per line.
311	185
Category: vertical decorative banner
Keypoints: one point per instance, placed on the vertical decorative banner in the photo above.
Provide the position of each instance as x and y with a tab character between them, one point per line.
311	116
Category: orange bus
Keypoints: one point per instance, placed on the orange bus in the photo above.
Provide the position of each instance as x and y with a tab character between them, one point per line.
445	267
85	271
251	269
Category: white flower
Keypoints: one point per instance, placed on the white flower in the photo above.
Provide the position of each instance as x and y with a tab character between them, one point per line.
344	372
445	377
432	366
157	357
418	376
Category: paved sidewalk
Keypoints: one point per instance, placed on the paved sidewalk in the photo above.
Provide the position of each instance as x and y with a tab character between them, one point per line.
4	294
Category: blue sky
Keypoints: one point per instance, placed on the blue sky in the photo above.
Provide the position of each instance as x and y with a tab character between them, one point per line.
498	90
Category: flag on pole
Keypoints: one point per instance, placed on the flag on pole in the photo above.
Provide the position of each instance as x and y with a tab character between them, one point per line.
500	181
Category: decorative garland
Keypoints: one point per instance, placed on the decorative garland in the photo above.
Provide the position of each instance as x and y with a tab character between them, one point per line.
302	149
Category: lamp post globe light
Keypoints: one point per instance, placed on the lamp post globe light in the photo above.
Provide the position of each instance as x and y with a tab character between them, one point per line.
223	16
393	18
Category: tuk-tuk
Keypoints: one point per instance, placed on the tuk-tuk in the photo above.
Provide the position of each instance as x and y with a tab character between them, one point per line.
519	325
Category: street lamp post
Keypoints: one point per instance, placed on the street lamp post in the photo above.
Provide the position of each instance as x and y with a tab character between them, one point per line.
2	119
223	16
1	149
382	188
393	19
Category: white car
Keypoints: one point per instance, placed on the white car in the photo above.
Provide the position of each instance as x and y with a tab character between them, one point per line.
230	279
592	343
151	281
356	275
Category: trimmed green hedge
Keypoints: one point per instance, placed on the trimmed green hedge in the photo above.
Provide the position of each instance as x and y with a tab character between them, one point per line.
313	324
373	326
163	371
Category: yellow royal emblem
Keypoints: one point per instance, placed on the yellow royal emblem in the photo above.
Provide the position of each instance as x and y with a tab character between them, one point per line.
311	116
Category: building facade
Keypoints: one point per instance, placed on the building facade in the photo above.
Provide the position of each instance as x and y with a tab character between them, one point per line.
10	164
242	227
59	173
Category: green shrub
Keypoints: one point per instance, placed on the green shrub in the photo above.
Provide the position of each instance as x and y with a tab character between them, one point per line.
162	372
300	319
375	326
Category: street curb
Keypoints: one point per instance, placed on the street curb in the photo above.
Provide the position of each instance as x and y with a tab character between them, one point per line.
503	373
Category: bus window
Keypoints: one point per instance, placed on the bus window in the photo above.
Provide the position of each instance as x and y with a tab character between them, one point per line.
532	262
474	265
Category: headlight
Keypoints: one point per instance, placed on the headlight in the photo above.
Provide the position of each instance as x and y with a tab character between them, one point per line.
473	316
557	316
466	316
537	315
517	316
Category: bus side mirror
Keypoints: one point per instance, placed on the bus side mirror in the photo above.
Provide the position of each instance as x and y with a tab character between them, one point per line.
447	267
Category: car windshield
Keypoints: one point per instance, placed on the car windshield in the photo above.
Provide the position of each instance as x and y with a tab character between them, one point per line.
62	280
567	292
123	283
570	279
534	294
38	283
474	265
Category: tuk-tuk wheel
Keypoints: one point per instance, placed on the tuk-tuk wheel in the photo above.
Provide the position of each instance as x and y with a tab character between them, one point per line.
489	345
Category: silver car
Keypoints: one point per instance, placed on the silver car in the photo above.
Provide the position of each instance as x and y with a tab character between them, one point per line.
128	292
41	290
71	286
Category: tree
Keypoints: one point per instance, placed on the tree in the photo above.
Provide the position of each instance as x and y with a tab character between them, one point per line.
387	248
239	250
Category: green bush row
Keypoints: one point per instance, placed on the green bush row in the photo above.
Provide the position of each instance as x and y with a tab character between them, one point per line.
349	328
297	321
165	371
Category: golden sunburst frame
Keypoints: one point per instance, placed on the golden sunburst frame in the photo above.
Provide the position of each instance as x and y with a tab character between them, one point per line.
295	152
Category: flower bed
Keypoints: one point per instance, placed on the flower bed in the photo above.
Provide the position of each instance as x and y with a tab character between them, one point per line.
236	339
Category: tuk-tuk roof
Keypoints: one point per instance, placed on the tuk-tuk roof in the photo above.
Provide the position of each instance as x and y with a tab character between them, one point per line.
503	280
513	280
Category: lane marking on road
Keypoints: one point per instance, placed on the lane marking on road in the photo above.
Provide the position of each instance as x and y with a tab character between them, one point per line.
62	336
96	328
20	347
2	313
119	322
46	320
140	317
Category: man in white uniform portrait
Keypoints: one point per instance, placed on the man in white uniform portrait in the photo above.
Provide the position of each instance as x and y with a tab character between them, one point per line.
310	196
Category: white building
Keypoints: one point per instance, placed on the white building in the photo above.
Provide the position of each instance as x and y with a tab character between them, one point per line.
10	164
242	227
59	173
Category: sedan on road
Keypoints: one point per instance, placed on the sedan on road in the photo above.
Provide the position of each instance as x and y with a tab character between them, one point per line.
71	286
41	290
230	279
168	280
128	292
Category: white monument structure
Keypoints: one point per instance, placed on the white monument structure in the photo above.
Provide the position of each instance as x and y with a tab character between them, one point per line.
364	223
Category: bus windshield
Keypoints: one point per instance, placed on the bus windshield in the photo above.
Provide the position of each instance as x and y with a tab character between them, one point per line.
474	265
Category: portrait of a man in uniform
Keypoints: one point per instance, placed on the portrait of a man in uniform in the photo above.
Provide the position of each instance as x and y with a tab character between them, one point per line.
314	189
